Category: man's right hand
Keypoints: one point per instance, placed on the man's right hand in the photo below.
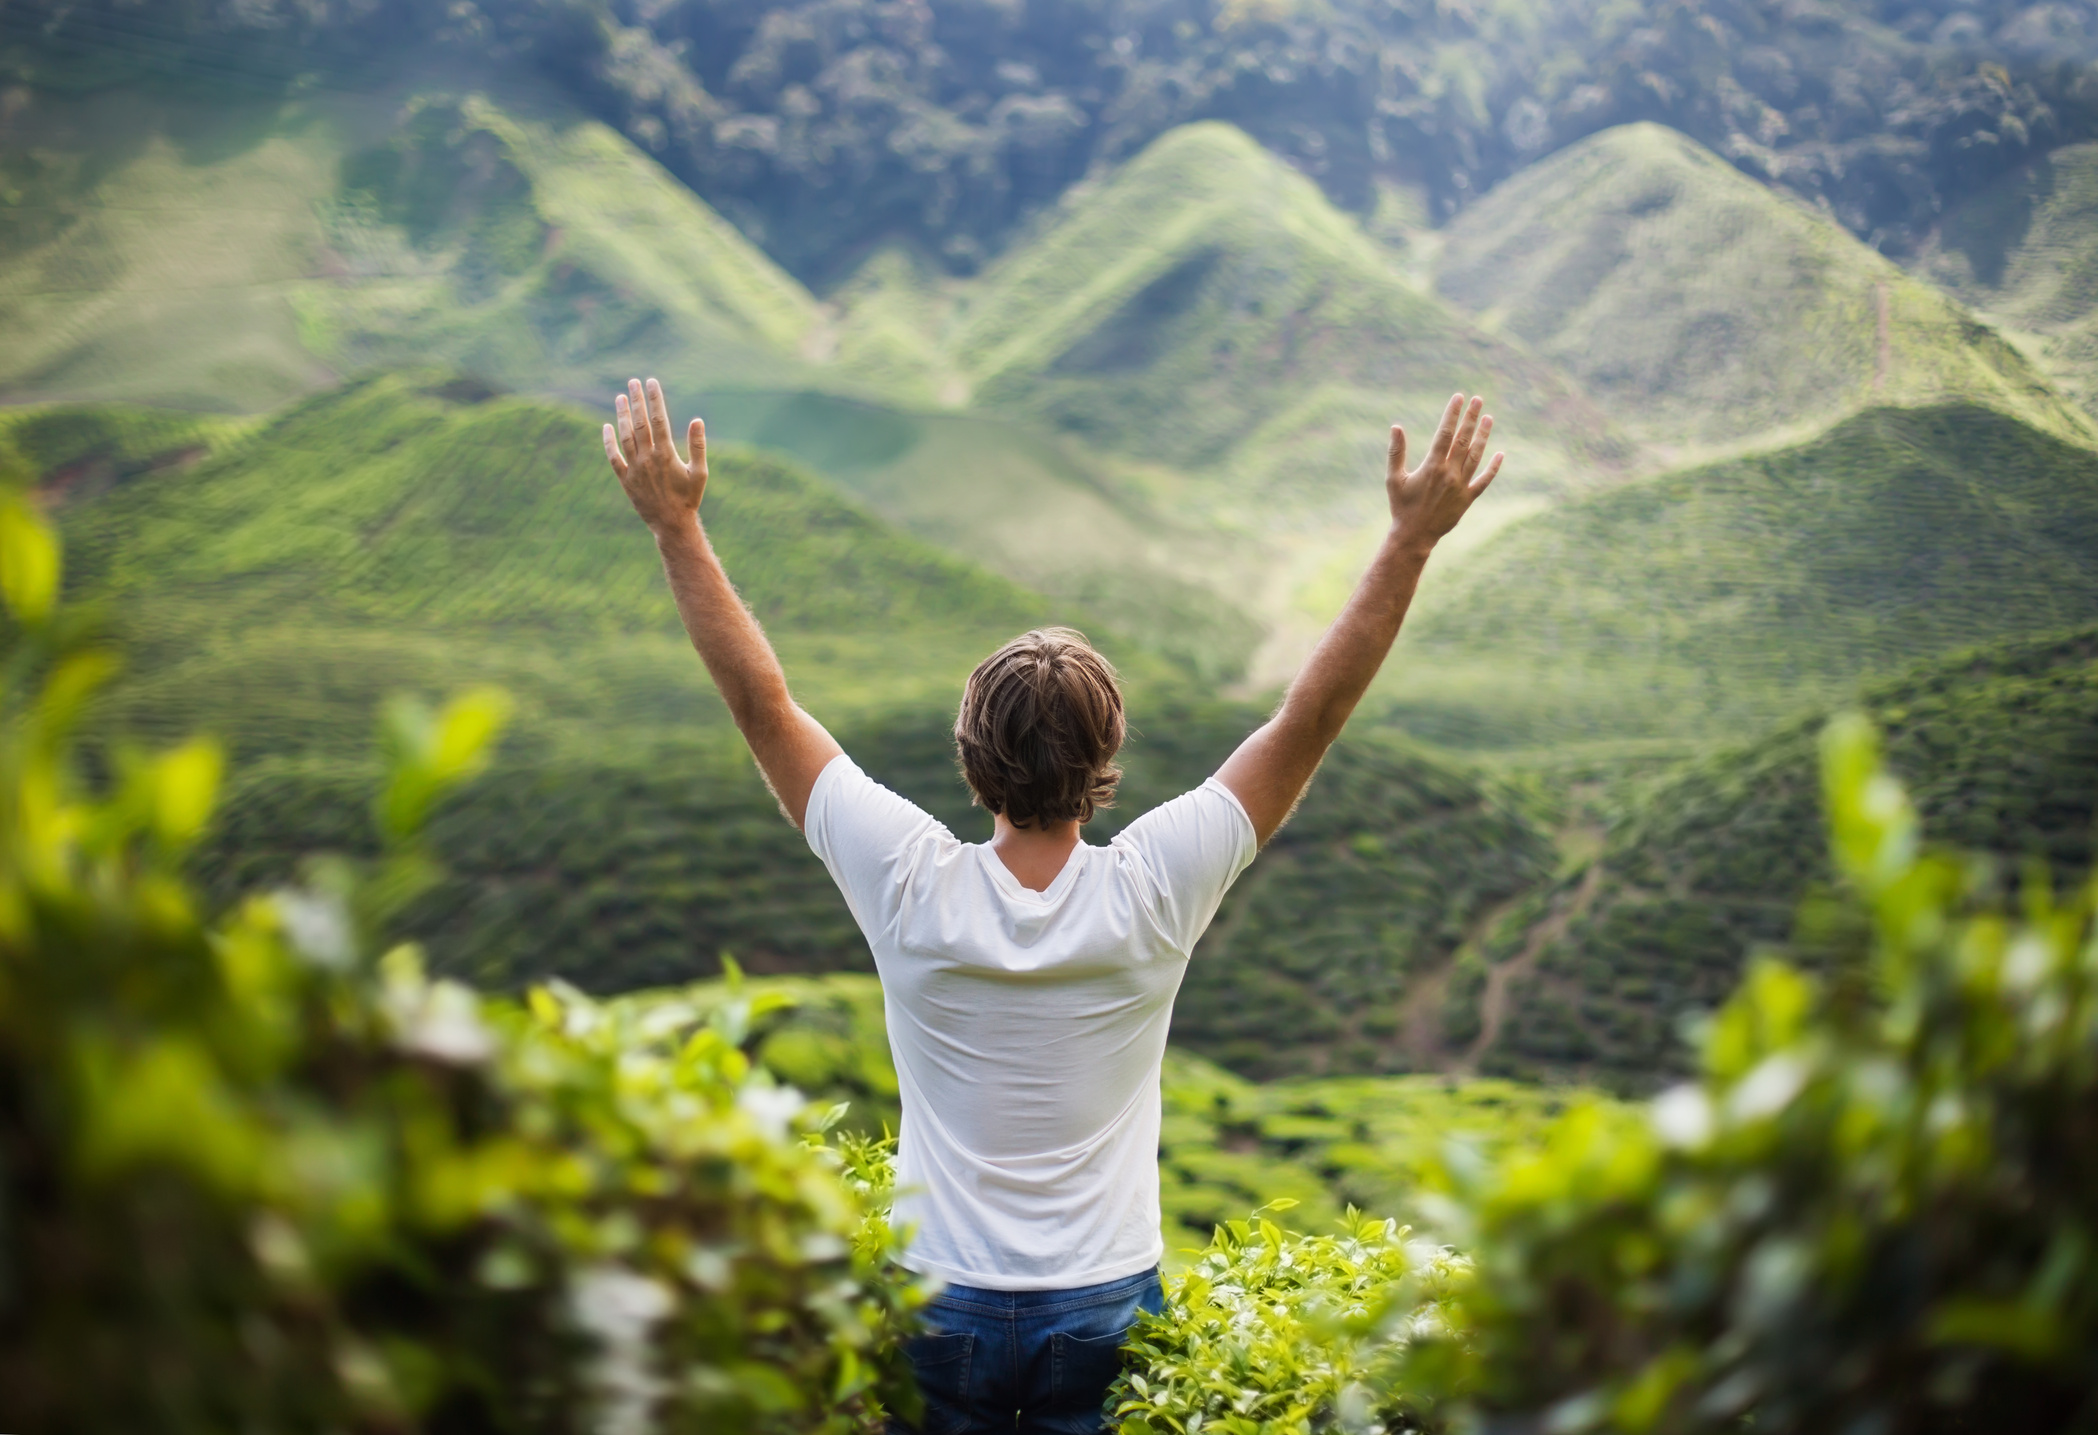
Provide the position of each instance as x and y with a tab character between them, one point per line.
1428	502
664	489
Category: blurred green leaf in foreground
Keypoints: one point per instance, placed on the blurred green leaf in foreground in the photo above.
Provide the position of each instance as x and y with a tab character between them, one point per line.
1873	1211
263	1173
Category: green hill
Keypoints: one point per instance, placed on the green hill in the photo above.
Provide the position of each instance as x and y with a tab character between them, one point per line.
1326	956
1026	503
418	532
1204	307
228	255
1720	598
1707	310
2024	251
1998	746
414	530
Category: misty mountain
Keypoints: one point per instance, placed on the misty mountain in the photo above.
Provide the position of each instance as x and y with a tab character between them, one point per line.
824	127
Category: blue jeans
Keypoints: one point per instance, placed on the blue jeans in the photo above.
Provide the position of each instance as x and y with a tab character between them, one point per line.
1026	1362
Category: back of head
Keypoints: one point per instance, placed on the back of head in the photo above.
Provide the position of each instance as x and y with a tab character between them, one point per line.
1040	724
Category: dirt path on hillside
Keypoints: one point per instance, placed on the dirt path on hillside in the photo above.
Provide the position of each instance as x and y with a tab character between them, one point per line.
1493	1002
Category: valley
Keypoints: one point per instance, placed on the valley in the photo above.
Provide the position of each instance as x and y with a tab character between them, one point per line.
311	384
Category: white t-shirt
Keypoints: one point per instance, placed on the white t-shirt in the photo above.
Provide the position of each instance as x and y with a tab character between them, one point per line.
1028	1027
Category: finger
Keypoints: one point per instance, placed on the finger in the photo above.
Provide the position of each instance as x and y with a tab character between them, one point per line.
659	418
1447	430
1467	428
696	442
1397	456
612	452
1478	485
637	417
1476	454
625	416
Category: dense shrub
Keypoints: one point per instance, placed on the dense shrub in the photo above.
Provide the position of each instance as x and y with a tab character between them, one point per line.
1276	1332
1873	1210
255	1174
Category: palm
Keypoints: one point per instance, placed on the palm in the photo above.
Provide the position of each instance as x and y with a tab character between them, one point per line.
1435	496
664	489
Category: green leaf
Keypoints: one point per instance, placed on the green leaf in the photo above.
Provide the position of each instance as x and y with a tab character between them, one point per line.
466	732
185	784
29	560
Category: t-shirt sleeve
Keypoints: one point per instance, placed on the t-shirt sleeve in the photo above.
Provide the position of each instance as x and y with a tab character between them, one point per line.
1193	849
868	838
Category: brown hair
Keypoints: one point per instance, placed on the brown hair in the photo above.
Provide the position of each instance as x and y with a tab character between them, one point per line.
1040	723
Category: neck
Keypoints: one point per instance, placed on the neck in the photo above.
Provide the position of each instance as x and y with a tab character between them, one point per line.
1034	854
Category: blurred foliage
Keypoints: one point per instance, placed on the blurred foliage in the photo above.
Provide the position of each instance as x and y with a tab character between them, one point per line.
1871	1210
1710	863
258	1173
823	125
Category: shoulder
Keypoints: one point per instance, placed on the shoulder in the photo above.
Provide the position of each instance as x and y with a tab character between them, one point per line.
1208	825
1211	808
847	806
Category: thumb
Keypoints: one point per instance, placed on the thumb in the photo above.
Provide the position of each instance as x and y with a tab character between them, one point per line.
1397	460
696	443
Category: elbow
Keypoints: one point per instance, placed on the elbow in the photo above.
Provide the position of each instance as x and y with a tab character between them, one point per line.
1315	725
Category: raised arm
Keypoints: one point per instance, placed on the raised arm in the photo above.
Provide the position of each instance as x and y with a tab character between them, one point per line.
791	747
1271	769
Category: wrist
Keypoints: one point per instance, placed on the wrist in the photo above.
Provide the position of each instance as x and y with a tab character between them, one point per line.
1411	538
676	532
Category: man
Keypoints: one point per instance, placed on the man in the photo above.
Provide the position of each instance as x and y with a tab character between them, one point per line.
1029	980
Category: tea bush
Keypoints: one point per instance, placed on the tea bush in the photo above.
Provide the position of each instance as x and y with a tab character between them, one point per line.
263	1174
1276	1333
1873	1211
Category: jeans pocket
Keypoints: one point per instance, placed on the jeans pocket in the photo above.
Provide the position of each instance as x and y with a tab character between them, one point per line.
1081	1367
940	1362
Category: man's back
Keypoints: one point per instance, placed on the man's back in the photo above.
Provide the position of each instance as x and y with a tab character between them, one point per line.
1028	1027
1028	1017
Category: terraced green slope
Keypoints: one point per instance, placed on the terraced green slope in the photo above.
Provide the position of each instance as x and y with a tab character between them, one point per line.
229	256
1998	746
2024	252
1326	956
1026	503
643	860
417	530
1706	310
1205	308
1720	598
